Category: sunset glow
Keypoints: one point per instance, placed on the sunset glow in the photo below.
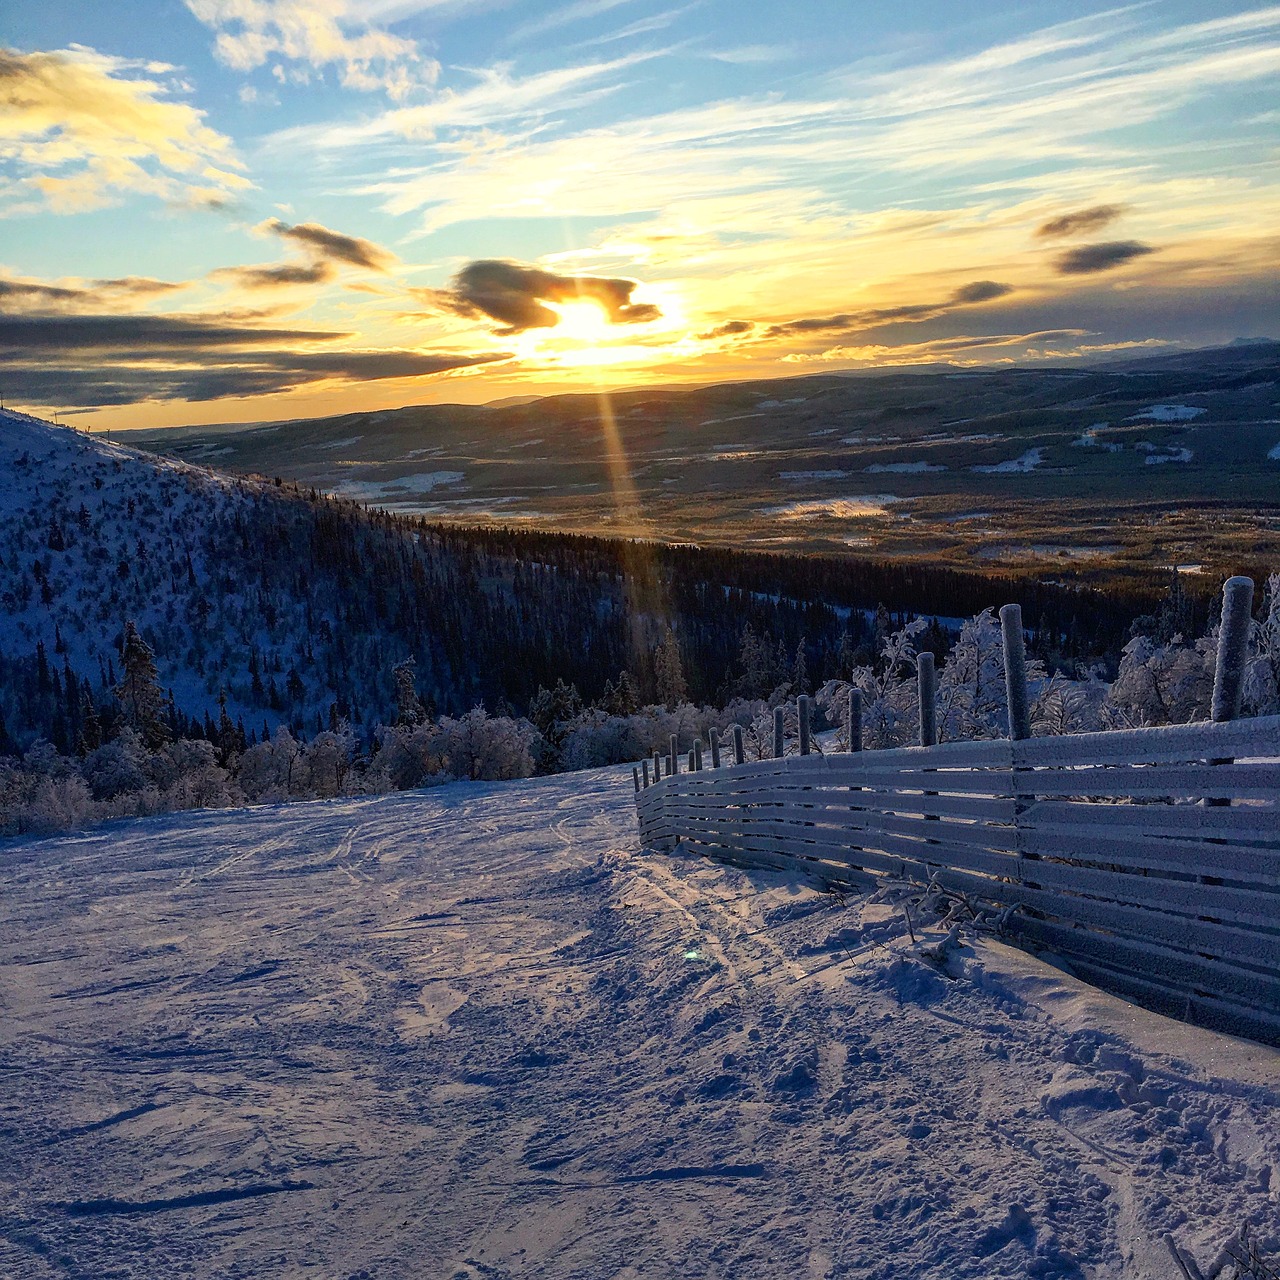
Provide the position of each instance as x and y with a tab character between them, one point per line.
238	212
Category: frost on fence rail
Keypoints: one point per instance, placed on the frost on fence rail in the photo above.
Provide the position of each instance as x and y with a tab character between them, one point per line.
1149	857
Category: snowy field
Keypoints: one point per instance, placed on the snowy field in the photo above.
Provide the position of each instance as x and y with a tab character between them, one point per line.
475	1032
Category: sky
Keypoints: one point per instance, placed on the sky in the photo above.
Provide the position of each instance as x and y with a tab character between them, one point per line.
241	210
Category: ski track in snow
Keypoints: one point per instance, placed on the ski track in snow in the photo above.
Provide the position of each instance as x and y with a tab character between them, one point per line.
475	1032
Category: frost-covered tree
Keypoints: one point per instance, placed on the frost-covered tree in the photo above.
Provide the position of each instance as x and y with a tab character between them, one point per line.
142	701
1262	672
669	671
409	708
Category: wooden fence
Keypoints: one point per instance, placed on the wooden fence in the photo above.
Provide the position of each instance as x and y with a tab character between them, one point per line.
1148	858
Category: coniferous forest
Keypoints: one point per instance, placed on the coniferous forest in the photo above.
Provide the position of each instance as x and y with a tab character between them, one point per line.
268	605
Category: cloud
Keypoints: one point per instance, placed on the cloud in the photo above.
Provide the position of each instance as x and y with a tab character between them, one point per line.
277	275
19	294
498	98
112	360
1081	222
82	129
515	295
730	329
333	245
1090	258
252	33
967	295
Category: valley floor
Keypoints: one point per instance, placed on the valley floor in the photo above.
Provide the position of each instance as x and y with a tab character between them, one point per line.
476	1032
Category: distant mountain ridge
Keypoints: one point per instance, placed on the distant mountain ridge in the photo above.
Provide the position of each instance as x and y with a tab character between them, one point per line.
1065	470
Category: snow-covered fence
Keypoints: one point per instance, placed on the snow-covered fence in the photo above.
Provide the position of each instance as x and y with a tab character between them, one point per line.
1149	858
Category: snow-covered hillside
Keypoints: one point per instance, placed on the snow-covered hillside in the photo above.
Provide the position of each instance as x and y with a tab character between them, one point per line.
476	1032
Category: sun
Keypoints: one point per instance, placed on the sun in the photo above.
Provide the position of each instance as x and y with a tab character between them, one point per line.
583	321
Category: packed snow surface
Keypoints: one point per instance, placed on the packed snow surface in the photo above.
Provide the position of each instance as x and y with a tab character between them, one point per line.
476	1032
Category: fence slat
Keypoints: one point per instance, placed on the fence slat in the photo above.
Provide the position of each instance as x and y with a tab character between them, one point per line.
1122	870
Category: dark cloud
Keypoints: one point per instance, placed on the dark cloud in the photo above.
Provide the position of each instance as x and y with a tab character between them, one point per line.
1106	256
980	291
98	360
36	295
965	296
333	246
1081	222
730	329
514	295
138	336
277	275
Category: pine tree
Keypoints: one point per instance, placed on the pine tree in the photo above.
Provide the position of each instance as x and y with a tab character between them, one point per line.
409	708
800	670
669	672
142	701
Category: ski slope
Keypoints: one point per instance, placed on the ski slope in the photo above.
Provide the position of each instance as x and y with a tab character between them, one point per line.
476	1032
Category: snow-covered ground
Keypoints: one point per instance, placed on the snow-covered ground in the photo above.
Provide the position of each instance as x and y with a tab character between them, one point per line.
477	1032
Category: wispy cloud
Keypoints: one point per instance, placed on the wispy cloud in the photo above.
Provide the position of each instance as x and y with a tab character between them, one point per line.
317	35
497	97
565	16
83	129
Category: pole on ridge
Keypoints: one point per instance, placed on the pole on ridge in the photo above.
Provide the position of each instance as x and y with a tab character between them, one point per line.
927	685
855	719
739	745
1233	645
779	733
714	735
802	711
1015	671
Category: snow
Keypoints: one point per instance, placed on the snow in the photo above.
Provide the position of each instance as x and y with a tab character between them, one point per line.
1274	453
418	482
476	1032
1169	413
812	475
1169	455
852	508
904	468
1029	461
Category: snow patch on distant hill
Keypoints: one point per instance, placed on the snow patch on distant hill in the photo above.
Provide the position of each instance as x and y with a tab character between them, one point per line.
1169	413
1028	461
903	468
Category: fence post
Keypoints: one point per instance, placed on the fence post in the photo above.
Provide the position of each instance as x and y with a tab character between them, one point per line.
692	766
1228	674
927	686
1015	671
802	712
1233	644
714	736
1015	684
779	733
657	765
644	764
739	745
697	754
855	719
635	777
673	760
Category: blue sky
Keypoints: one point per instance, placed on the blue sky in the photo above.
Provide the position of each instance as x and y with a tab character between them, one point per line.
237	209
